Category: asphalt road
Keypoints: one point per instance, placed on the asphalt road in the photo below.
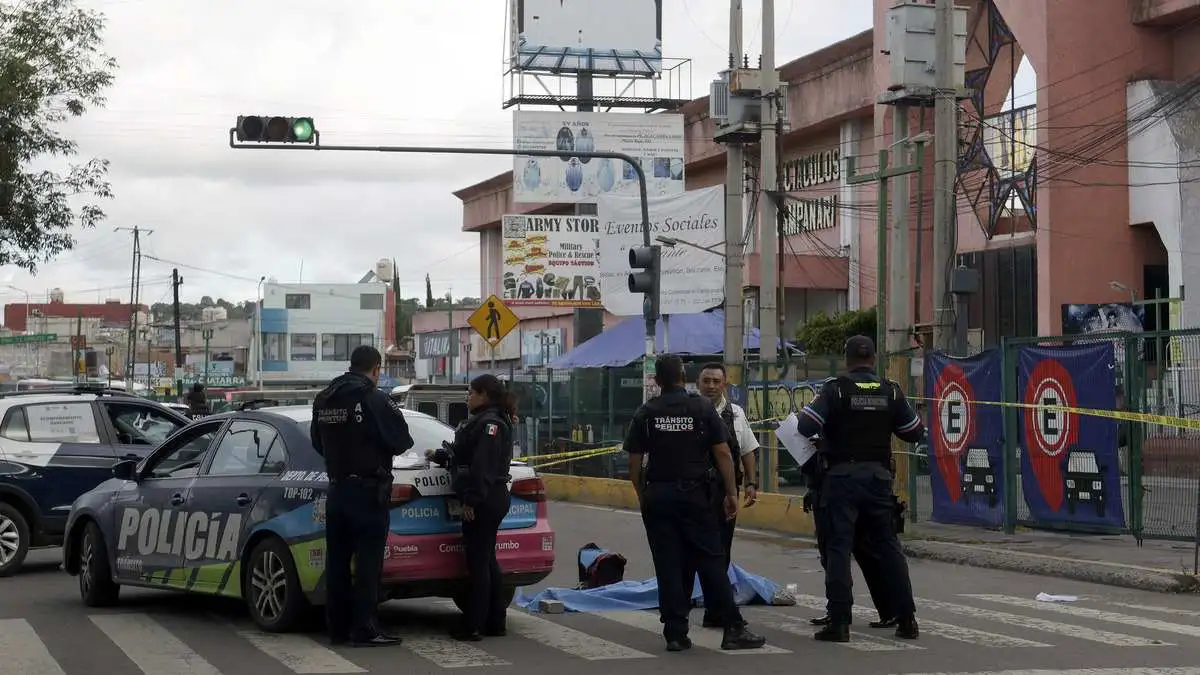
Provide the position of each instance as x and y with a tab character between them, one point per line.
973	621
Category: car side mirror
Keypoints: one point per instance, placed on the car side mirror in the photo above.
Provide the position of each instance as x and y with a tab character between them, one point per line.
125	469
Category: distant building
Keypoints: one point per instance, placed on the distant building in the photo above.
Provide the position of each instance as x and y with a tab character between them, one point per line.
109	312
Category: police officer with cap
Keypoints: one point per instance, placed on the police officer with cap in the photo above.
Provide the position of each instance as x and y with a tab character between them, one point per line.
687	447
856	415
358	430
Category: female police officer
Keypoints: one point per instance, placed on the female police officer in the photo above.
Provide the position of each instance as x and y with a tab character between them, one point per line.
478	460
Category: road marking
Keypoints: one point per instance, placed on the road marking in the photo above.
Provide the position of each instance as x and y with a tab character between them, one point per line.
23	651
948	631
150	646
299	653
701	637
569	640
786	623
1095	614
1083	671
448	652
1027	622
1156	608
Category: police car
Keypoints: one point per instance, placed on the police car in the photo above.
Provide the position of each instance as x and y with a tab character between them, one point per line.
234	505
56	444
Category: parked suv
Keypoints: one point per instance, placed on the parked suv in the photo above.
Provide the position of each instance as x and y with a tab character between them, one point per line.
55	445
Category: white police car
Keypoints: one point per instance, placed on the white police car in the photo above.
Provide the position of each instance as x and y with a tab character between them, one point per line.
55	445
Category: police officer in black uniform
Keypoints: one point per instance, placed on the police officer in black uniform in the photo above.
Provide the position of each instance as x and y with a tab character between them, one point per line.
357	429
856	414
687	446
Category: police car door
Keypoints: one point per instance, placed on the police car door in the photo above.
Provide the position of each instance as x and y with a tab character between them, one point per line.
244	462
153	517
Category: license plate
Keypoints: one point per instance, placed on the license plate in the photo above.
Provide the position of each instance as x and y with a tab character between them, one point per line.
453	509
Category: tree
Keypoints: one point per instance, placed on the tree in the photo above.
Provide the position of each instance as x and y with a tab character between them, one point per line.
51	69
823	334
428	293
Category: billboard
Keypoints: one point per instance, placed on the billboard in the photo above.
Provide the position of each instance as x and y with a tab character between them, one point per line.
1109	317
540	347
693	279
551	260
568	36
655	140
1010	139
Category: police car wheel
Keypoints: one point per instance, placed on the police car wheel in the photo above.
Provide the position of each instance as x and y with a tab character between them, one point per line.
96	585
14	539
272	588
460	597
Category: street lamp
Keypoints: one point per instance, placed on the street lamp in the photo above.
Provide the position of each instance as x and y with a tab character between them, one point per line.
258	335
28	346
1118	286
672	242
206	334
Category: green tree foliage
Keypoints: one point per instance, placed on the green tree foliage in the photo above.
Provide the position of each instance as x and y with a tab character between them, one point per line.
51	69
192	311
823	334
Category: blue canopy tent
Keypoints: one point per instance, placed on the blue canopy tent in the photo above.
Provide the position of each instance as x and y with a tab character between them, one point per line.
625	343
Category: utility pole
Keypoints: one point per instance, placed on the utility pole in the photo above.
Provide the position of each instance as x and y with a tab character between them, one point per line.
77	353
945	169
735	190
768	324
451	338
135	292
176	282
588	321
108	352
149	356
207	334
899	277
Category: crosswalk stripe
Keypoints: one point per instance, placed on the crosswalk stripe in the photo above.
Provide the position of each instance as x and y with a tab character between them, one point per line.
23	651
569	640
943	630
299	653
154	649
1070	630
1083	671
1095	614
788	624
1156	608
705	637
448	652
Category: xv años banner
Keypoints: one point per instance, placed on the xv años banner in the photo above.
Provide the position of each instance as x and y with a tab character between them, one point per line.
965	439
1070	468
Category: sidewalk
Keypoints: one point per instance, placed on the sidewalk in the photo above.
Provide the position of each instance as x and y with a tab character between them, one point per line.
1114	560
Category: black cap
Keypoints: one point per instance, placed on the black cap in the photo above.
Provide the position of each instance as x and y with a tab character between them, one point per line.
860	347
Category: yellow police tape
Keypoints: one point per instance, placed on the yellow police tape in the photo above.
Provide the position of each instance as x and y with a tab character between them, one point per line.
1124	416
573	454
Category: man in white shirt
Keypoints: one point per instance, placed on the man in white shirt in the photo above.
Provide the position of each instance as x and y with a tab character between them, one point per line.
712	384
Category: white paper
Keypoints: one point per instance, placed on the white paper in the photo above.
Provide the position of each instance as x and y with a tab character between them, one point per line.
799	447
1046	597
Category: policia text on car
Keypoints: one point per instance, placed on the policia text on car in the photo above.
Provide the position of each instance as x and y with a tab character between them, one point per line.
856	414
358	430
686	447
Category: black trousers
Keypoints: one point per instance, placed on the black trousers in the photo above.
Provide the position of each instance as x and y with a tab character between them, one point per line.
683	532
856	501
868	563
485	608
727	528
356	525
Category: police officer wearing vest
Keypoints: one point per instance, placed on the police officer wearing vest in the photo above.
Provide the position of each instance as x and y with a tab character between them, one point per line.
856	415
358	430
685	445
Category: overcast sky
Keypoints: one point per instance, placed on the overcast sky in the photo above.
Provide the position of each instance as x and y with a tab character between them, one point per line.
369	71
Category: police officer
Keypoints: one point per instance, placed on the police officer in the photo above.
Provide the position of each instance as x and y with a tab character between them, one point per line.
357	429
687	447
856	414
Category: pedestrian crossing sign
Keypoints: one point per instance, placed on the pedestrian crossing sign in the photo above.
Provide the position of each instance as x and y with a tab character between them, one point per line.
493	320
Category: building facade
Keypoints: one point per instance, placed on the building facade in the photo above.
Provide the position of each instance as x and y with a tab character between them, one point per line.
306	332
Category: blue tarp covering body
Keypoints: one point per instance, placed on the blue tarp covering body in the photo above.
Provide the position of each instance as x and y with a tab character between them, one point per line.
625	342
632	595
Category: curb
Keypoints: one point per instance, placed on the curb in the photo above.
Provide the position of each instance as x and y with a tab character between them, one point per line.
1109	574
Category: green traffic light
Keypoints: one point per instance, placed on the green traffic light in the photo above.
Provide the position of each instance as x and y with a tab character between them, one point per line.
302	129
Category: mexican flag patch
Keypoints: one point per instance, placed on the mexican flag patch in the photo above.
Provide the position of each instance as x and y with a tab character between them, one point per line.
492	430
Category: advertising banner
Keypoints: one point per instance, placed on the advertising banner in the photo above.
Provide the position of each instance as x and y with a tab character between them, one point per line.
611	37
1070	467
693	278
656	141
551	260
966	440
434	345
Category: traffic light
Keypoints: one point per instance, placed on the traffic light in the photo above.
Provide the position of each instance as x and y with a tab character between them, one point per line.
647	259
275	129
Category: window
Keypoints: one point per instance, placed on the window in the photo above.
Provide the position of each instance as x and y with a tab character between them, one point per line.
183	456
276	460
370	301
337	346
428	407
274	346
52	423
139	424
297	301
304	346
243	450
456	413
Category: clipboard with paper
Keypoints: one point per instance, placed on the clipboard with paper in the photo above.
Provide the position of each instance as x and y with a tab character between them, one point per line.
799	447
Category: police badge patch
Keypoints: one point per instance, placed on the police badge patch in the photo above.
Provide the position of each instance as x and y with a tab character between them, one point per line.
492	430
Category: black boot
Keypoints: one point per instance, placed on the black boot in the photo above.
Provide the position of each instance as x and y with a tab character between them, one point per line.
889	622
711	621
907	629
834	631
820	621
679	645
740	637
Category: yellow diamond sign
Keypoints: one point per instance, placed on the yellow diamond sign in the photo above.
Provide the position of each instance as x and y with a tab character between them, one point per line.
493	320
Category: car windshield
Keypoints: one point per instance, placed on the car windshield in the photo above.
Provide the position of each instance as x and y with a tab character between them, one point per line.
427	433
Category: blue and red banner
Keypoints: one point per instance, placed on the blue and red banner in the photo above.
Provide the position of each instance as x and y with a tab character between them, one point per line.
966	443
1070	467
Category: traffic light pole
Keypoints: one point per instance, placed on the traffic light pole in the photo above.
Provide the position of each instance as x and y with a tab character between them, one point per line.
650	311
